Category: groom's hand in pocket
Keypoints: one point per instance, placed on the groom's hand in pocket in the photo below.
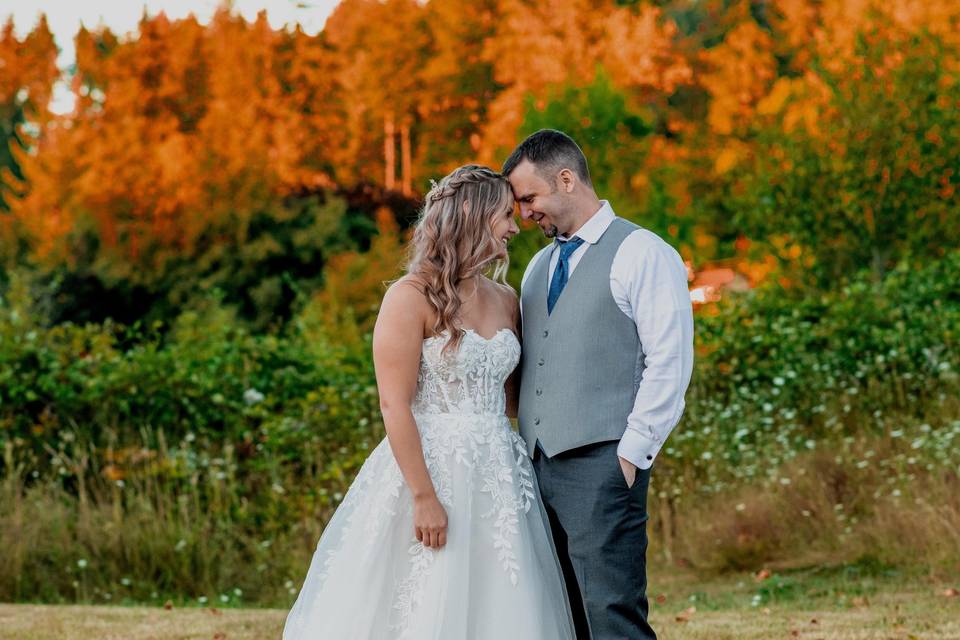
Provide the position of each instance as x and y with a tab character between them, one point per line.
430	521
629	471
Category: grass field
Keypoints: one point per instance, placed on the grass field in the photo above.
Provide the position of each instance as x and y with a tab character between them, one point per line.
844	603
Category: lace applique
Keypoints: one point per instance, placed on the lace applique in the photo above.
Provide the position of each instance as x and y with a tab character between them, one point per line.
470	380
375	507
409	592
508	502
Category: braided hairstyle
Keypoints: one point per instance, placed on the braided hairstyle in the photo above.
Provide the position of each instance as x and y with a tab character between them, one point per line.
453	240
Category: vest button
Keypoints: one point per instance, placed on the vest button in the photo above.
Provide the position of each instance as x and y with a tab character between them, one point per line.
545	333
540	362
536	421
539	392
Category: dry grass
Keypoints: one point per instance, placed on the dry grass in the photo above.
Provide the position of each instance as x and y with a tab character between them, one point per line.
828	604
78	622
826	507
815	607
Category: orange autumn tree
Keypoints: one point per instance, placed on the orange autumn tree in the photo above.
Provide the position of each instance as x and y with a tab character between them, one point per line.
178	139
383	48
26	84
761	70
458	86
849	163
537	45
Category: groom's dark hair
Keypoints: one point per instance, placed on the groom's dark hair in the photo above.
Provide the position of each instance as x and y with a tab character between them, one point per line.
550	151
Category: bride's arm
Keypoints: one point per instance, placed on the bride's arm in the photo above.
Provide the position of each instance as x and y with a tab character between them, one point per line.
397	343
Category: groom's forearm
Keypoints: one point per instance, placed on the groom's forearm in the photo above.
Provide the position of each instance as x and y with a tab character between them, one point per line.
659	402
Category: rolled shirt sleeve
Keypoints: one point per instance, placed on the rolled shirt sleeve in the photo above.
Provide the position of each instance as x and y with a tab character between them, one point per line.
649	282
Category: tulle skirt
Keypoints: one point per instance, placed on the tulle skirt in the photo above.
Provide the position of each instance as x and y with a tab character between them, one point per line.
497	578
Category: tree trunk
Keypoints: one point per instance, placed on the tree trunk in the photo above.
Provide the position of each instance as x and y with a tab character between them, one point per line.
389	152
405	168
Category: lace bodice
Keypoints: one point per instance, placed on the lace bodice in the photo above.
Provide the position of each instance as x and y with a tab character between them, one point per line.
468	380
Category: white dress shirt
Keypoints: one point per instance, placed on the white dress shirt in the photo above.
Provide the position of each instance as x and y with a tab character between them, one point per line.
648	280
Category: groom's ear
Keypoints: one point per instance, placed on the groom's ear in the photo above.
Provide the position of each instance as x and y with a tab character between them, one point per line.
567	180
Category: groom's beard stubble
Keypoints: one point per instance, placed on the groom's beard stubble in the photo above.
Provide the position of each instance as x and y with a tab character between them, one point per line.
550	231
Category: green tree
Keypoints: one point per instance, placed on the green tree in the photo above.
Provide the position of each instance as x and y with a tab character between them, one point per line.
615	138
598	117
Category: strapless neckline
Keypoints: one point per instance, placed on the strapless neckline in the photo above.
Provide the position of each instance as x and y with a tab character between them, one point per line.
474	332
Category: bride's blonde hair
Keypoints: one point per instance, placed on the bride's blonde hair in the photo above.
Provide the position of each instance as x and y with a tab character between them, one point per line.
453	240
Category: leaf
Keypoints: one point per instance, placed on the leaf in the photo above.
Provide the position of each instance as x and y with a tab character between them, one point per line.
686	614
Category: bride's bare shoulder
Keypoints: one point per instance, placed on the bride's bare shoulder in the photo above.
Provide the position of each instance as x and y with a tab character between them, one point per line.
408	292
404	308
409	282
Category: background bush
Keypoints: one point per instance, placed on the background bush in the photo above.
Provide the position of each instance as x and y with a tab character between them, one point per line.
194	453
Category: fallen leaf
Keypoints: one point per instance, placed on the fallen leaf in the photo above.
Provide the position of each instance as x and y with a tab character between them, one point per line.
950	593
762	575
661	598
215	611
168	605
685	615
795	633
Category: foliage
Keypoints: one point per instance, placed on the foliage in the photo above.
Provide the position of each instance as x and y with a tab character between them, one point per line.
858	178
263	433
607	129
778	375
617	138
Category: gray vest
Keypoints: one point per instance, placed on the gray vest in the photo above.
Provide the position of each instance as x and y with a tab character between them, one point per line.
581	365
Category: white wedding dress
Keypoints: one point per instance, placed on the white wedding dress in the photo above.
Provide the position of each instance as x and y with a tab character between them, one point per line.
497	578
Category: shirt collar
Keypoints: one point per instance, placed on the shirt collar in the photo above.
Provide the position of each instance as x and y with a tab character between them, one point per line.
593	228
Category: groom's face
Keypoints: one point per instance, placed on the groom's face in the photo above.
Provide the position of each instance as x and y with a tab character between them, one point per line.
538	198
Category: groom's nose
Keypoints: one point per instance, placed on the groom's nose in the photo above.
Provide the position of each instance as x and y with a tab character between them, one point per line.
525	212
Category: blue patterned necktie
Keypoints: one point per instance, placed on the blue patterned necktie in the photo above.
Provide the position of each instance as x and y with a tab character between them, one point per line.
562	272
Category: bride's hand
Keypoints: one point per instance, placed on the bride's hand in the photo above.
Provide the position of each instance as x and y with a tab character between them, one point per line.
430	521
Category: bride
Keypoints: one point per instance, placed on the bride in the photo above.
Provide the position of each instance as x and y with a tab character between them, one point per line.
442	534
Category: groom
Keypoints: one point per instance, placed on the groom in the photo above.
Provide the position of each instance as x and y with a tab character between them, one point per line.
607	357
